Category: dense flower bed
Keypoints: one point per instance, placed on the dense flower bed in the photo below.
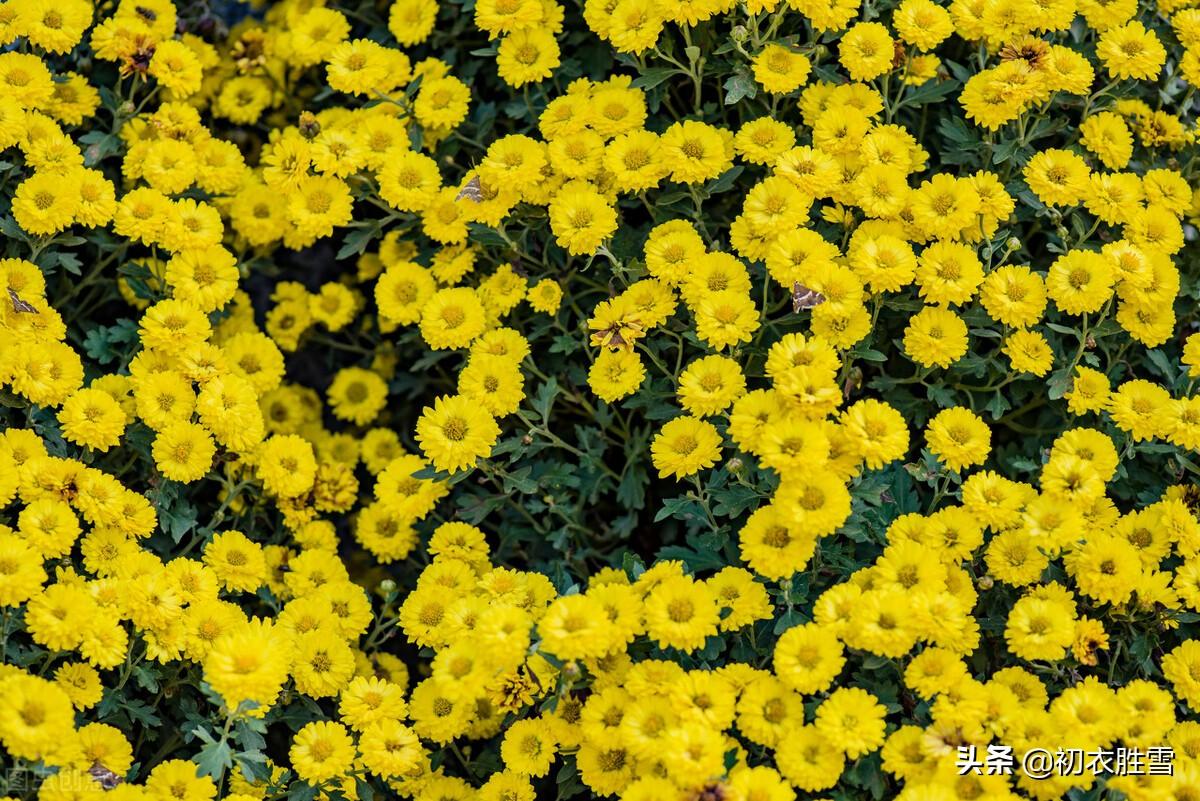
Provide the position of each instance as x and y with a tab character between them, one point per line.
664	400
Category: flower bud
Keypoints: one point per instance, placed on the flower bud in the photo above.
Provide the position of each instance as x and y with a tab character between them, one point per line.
308	124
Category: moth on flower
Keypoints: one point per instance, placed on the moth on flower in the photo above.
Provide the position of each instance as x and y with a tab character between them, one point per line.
614	325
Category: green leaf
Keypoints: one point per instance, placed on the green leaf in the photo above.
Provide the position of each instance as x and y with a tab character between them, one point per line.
633	565
565	344
1162	364
653	77
567	780
69	262
695	560
487	236
942	395
873	488
356	242
137	711
12	401
1005	151
683	508
867	774
739	86
544	400
997	405
146	678
1106	329
870	355
519	481
9	227
960	72
99	145
249	732
734	500
255	765
101	343
1142	649
1059	383
179	519
214	759
631	491
138	276
787	620
964	142
725	181
929	92
301	791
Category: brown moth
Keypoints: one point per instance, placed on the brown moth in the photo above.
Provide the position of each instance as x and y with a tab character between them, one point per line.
615	335
804	297
610	336
473	191
103	776
18	304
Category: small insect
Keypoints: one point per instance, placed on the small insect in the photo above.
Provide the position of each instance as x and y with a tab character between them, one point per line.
20	305
1034	52
473	191
804	297
103	776
141	58
609	336
138	55
621	334
1191	497
711	792
148	14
